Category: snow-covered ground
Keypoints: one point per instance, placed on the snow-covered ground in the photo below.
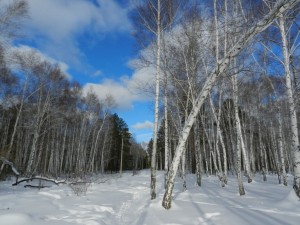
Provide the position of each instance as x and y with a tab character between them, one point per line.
126	201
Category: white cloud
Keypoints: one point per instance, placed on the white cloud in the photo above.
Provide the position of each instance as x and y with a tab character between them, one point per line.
145	125
127	90
97	73
122	96
55	25
58	19
23	49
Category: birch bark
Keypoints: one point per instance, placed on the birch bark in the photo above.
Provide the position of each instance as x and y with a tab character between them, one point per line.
121	163
166	131
197	153
155	132
291	104
220	137
238	126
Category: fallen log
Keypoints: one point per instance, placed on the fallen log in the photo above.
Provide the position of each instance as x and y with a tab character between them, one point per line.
40	179
36	186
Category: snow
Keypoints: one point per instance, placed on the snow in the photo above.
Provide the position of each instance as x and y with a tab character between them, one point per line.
126	201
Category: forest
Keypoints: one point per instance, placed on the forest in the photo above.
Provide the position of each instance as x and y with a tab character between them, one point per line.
226	89
226	92
48	126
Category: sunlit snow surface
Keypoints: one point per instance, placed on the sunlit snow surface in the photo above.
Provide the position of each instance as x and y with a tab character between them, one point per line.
126	201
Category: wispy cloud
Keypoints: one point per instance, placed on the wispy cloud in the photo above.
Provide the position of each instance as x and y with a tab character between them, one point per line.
144	125
97	73
56	25
22	49
126	90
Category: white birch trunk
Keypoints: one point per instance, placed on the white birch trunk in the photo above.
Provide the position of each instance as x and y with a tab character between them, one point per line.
166	133
225	28
252	157
238	166
220	137
291	104
281	152
274	152
197	153
238	126
160	161
121	163
39	157
217	119
204	152
91	160
261	154
216	30
63	150
183	163
280	7
210	150
216	152
222	142
154	149
102	153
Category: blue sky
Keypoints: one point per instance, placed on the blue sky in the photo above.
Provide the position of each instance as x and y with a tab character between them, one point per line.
91	40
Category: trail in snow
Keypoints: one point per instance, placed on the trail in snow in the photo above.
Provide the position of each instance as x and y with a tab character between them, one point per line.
126	201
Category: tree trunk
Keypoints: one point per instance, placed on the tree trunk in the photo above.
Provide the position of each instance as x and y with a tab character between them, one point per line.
292	108
281	151
197	153
63	150
220	137
238	125
261	151
121	163
183	163
95	146
166	131
154	149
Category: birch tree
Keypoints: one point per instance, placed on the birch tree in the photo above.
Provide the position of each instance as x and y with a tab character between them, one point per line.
291	104
157	79
280	7
290	92
155	16
11	16
20	109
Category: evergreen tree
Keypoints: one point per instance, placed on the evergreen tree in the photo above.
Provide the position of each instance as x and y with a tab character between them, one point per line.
119	131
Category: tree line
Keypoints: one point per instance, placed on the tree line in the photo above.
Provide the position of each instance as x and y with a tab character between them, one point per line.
48	126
